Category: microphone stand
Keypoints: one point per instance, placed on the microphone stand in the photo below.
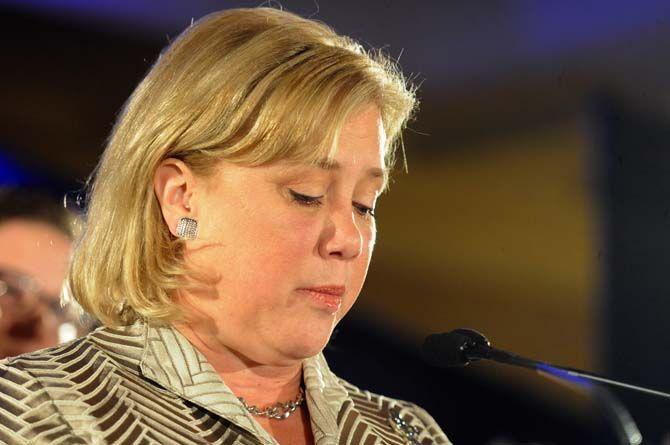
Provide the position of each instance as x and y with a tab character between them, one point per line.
621	420
461	346
625	426
475	352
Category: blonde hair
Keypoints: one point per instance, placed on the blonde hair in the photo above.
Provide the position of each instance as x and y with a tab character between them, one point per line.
250	86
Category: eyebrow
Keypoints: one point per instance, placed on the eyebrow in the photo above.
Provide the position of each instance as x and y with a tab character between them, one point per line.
373	172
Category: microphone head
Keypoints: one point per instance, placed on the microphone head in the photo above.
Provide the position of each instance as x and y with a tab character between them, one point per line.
450	349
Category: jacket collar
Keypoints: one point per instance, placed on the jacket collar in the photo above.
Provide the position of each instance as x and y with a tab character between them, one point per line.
170	360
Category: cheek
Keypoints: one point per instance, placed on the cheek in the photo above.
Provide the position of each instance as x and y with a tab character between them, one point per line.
286	234
361	264
369	236
268	250
372	237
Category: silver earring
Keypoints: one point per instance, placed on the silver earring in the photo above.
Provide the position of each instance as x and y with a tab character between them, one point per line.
187	228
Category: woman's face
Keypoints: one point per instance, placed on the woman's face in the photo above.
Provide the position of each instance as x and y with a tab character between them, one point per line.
289	246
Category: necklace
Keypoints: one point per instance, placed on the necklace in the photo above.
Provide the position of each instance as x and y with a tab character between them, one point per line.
279	411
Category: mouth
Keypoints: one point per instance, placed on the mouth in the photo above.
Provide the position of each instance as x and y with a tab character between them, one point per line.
328	298
26	328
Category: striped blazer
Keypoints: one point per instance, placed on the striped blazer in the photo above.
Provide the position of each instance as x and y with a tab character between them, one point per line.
148	385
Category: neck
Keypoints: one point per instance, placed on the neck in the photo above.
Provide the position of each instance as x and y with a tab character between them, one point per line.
259	384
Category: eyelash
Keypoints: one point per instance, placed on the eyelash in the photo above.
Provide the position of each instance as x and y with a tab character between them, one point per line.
315	201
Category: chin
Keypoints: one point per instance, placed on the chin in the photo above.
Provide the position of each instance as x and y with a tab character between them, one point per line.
309	341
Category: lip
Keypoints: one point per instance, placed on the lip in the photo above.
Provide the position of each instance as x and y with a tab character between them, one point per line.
327	297
331	289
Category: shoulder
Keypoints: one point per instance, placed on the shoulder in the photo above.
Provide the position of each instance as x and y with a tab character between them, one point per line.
47	365
41	392
403	416
35	366
101	348
28	410
40	373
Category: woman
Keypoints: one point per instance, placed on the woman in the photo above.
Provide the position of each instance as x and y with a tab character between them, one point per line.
229	229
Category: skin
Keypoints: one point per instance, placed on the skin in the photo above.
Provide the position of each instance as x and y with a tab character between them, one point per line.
41	251
260	241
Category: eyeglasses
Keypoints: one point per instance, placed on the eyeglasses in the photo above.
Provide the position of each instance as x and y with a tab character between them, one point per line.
20	292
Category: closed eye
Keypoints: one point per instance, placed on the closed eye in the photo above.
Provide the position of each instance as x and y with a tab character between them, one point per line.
364	210
315	201
305	200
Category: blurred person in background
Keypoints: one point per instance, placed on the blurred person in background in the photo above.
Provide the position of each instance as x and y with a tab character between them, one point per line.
35	243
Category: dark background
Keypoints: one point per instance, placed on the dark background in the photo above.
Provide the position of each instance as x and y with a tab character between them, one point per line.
535	209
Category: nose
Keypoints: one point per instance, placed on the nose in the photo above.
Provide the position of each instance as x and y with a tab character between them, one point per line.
341	237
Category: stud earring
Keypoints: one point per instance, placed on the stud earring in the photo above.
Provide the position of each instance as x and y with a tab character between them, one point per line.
187	228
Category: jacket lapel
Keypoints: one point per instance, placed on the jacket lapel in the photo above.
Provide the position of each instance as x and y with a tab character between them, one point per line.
170	360
325	398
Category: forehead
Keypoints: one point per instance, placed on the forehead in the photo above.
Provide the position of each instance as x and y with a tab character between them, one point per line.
359	149
361	144
360	137
364	124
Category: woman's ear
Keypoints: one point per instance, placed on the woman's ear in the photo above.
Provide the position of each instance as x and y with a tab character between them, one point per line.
174	185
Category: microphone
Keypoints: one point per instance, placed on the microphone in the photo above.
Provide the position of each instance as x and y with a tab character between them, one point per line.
462	346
